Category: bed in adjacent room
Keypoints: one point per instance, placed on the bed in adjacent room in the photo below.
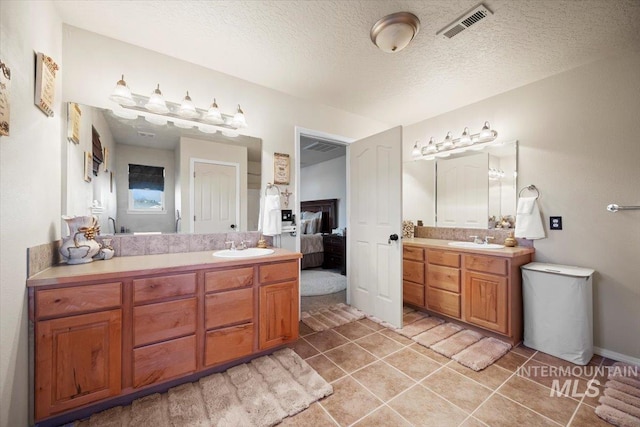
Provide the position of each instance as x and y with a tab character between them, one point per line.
317	217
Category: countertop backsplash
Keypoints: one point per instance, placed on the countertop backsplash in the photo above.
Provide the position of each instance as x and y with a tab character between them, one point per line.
462	234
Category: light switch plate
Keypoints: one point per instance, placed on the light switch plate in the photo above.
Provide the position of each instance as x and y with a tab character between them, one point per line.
555	223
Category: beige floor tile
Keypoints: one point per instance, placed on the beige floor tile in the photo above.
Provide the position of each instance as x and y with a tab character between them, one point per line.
492	376
353	330
422	407
499	411
406	309
326	368
586	416
350	357
472	422
412	317
511	361
412	363
370	324
551	376
379	344
596	360
555	361
303	348
304	329
396	336
592	394
313	416
383	416
457	388
383	380
524	350
608	362
430	353
326	340
537	397
349	402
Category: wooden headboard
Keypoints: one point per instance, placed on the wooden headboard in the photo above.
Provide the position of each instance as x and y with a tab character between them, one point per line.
329	207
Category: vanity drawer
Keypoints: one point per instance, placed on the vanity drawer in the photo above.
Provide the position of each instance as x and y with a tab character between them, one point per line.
413	293
443	302
227	344
445	278
78	299
157	288
225	308
279	272
413	271
163	361
416	254
163	321
228	279
486	264
448	259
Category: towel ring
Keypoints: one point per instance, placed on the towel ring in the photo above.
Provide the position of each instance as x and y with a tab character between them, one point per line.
530	188
270	186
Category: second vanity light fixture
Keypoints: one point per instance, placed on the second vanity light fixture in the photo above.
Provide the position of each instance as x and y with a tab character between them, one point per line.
452	145
185	115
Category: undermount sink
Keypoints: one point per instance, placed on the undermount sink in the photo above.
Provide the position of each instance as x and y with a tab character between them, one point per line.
243	253
471	245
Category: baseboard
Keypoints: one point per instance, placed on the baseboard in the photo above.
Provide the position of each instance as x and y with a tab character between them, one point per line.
616	356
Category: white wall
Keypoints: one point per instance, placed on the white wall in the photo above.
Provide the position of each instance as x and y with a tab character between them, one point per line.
129	154
30	184
326	180
578	143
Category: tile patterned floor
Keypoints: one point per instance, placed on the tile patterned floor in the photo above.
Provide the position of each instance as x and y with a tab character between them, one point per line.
381	378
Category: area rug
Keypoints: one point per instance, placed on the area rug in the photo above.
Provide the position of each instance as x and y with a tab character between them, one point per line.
321	282
620	404
260	393
331	317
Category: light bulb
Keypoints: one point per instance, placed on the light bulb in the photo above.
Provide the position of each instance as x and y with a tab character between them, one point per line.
238	120
122	94
156	102
213	114
188	108
431	146
465	139
416	150
448	142
486	132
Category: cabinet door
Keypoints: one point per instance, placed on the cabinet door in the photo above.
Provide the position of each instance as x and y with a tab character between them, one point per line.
486	301
78	361
278	314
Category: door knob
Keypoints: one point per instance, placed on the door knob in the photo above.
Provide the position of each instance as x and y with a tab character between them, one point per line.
393	237
233	226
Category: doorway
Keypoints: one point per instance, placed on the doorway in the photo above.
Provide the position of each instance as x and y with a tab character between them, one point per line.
321	186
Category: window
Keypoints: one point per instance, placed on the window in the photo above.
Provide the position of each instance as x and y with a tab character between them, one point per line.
146	189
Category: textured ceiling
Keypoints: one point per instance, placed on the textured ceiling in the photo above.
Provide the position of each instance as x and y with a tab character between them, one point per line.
321	51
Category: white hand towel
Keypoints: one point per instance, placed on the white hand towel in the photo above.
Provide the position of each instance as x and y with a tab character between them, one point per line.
529	224
272	216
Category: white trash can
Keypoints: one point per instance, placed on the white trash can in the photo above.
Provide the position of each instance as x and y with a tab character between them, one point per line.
558	310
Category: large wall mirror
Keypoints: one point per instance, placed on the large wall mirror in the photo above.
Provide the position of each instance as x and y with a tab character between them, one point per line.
474	189
141	177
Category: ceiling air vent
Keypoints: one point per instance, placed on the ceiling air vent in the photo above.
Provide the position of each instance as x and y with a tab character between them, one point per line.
468	19
146	134
321	147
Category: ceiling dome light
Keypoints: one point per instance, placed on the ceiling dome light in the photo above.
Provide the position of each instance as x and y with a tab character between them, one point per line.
238	120
122	94
394	32
156	102
213	114
188	108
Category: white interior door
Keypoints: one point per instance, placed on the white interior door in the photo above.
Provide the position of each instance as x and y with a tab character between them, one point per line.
215	198
374	203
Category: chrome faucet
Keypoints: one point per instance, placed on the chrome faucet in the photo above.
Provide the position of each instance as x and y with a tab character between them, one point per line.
477	240
232	243
487	238
243	244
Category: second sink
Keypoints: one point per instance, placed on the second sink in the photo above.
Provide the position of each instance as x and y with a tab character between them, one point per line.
471	245
244	253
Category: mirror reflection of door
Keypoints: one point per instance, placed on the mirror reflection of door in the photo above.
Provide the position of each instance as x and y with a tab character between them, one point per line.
216	197
375	206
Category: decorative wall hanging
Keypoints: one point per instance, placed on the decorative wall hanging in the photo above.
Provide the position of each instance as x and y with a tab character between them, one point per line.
282	168
73	122
5	98
45	83
88	164
105	156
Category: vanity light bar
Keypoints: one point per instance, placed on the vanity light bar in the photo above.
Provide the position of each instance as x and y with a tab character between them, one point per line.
450	145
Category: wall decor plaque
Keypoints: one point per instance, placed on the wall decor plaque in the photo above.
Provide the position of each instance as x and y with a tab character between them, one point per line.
5	98
88	165
282	168
45	83
73	122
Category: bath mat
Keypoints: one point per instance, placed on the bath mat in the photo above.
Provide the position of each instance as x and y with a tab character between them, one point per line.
457	342
437	334
321	282
620	404
260	393
419	326
330	317
482	354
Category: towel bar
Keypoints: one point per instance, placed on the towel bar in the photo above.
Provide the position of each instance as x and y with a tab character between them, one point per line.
615	208
530	188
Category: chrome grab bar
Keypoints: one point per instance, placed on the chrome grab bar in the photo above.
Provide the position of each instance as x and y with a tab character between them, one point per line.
615	208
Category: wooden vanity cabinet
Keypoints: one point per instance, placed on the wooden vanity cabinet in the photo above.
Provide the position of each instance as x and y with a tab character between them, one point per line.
443	282
486	292
413	276
278	304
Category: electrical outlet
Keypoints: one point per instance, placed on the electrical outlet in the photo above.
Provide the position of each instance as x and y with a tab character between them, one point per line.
555	223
